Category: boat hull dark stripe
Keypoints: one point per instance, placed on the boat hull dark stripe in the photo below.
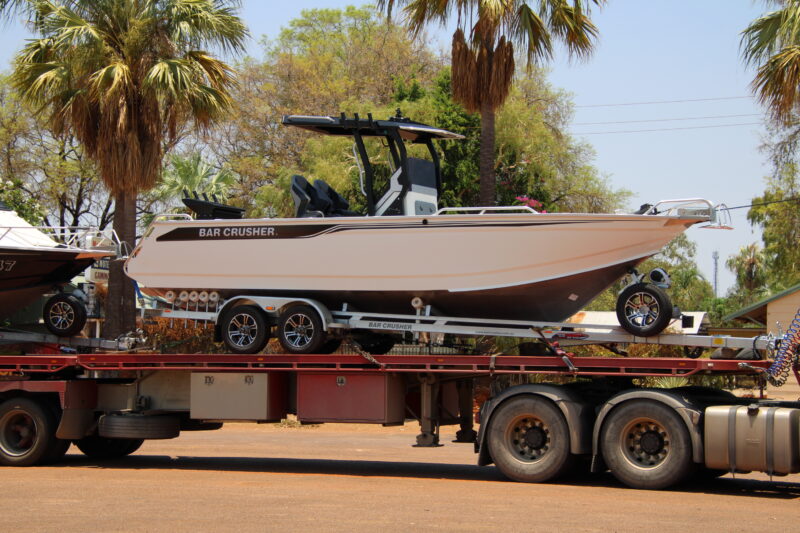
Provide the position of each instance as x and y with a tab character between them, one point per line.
305	231
552	300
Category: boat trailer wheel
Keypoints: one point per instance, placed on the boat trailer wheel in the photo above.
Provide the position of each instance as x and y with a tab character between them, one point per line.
301	330
64	315
244	329
644	310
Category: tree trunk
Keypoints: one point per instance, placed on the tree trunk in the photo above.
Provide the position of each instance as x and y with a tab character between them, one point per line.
120	308
487	175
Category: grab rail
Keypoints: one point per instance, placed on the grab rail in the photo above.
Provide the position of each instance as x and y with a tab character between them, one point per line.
78	237
483	210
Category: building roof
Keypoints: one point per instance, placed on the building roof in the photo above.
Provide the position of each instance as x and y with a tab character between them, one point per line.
758	311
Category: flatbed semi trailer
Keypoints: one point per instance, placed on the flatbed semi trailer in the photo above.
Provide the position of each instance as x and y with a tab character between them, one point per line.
598	418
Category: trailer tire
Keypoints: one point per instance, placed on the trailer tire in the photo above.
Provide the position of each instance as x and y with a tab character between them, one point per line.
529	440
58	447
644	310
300	330
244	329
27	433
97	447
64	315
646	445
139	426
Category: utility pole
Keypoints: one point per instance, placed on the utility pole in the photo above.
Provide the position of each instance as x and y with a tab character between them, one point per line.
715	257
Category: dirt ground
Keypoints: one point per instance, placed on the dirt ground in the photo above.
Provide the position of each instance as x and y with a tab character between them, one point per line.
249	477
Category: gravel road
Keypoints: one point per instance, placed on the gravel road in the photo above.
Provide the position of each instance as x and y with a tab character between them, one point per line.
249	477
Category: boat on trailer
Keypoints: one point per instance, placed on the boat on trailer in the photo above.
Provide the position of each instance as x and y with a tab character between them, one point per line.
484	262
37	260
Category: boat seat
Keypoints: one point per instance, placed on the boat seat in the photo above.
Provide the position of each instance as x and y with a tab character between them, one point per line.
339	207
307	201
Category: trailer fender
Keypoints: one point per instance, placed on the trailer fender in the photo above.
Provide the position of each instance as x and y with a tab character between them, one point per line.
690	413
577	412
272	306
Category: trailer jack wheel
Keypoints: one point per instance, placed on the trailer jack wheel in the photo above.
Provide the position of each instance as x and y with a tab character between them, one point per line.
529	440
644	310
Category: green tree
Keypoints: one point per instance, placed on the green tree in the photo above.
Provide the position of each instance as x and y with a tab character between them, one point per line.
124	76
777	213
771	44
483	63
750	268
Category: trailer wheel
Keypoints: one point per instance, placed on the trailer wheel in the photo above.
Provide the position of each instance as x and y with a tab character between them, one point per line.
64	315
98	447
27	433
139	426
644	310
300	330
244	329
529	440
646	445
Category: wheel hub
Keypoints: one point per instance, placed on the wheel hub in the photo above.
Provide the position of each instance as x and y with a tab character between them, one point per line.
18	434
535	438
242	329
646	443
651	443
529	437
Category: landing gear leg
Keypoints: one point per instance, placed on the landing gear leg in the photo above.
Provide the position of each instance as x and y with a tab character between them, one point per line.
467	432
429	420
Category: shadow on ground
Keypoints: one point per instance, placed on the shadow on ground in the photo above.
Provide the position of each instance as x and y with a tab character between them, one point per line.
727	485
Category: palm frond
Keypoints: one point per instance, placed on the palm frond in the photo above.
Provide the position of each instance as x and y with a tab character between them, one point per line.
777	83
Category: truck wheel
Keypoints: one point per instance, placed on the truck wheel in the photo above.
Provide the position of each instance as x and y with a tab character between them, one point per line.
27	432
244	329
300	330
646	445
139	426
529	440
644	310
98	447
58	447
64	315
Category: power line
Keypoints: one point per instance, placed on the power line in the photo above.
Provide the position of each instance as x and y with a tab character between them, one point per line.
669	129
668	101
763	203
664	119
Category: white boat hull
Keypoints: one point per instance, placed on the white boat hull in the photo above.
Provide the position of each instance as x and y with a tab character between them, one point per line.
528	266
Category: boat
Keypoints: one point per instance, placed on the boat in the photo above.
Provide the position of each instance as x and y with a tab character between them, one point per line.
486	262
37	260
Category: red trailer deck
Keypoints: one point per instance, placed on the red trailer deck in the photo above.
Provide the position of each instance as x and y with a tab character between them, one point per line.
107	404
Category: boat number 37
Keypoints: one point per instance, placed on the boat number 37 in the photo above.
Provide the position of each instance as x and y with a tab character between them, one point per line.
7	266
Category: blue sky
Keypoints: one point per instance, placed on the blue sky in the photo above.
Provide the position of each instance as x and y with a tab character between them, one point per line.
650	51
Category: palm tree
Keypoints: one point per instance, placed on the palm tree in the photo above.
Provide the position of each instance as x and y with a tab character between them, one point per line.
483	64
124	76
771	43
749	267
192	174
